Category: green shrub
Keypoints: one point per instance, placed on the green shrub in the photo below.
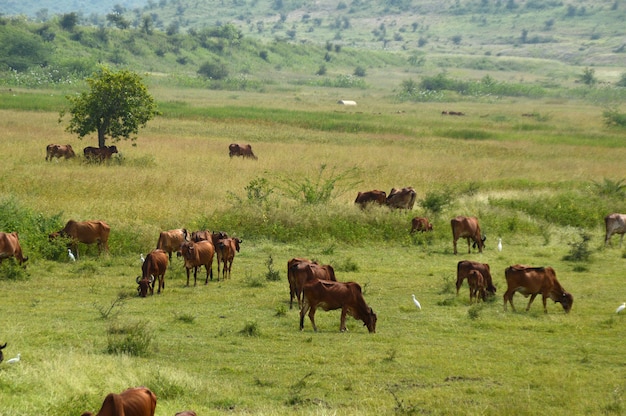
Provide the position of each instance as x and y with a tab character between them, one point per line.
271	275
251	329
613	118
579	250
132	339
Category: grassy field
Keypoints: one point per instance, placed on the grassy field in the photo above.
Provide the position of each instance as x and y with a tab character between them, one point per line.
234	347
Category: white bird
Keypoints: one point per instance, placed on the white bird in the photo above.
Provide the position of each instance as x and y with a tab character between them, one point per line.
416	302
499	244
620	308
142	257
14	360
69	253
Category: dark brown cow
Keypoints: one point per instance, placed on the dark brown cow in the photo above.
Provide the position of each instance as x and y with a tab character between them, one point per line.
420	224
197	255
467	227
59	151
464	267
99	154
615	224
10	247
235	149
477	286
152	269
401	198
137	401
171	240
533	281
226	249
1	353
363	199
329	296
86	232
300	271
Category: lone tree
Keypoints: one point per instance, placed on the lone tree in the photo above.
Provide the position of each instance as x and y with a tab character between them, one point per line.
117	104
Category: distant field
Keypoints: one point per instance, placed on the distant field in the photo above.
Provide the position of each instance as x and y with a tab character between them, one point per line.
539	182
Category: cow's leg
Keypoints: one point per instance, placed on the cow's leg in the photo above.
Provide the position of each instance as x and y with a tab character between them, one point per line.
342	323
303	310
544	298
621	240
454	243
187	276
469	247
532	298
459	283
312	317
508	297
207	267
195	275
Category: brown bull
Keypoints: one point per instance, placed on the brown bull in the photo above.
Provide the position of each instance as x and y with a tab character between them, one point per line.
10	247
137	401
153	268
531	281
59	151
235	149
300	271
197	255
86	232
468	228
336	295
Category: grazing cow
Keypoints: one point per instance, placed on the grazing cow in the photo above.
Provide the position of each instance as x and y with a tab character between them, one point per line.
329	296
615	224
99	154
197	255
477	286
153	268
86	232
300	271
401	198
363	199
467	227
59	151
137	401
171	240
226	249
235	149
532	281
10	247
464	267
420	224
1	354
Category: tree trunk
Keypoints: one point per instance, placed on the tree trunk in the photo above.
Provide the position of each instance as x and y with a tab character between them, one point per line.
101	138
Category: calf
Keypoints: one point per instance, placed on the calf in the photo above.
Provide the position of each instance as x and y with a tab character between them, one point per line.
336	295
226	249
531	281
197	255
464	267
99	154
420	224
153	268
138	401
363	199
477	286
245	150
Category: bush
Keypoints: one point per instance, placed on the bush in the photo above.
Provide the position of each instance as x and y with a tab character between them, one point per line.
579	250
132	339
613	118
213	70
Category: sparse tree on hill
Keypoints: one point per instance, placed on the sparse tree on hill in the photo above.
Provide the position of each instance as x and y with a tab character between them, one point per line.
117	104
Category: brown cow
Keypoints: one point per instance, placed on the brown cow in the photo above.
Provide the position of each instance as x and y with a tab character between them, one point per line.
467	227
363	199
197	255
207	235
464	267
615	224
329	296
137	401
420	224
226	249
59	151
401	198
99	154
235	149
300	271
86	232
153	268
10	247
532	281
477	286
171	240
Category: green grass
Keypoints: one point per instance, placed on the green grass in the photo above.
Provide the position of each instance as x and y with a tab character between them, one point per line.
234	346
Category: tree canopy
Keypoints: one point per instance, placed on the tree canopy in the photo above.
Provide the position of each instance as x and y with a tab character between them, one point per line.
116	106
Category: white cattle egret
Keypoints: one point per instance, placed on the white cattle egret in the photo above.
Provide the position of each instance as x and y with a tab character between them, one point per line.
620	308
416	302
499	244
142	257
69	253
14	360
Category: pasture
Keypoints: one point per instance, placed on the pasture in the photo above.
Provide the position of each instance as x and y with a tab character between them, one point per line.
540	183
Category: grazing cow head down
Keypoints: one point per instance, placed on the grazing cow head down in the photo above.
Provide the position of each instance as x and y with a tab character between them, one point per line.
1	354
370	321
143	285
566	300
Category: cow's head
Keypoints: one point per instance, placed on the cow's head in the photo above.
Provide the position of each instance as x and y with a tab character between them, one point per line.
370	320
143	285
187	250
237	242
566	300
113	149
1	354
479	243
